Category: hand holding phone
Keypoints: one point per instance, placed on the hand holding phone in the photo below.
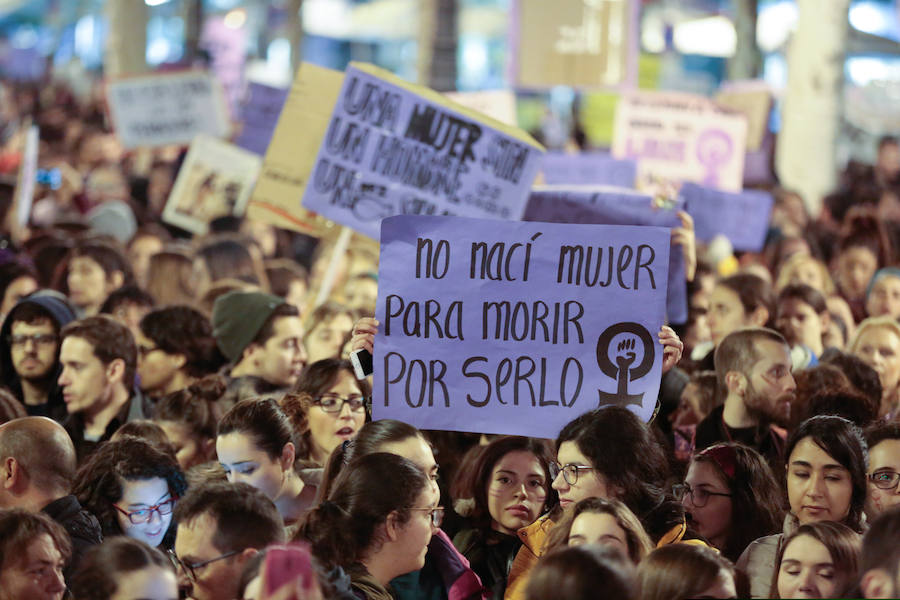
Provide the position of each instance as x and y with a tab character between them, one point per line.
362	363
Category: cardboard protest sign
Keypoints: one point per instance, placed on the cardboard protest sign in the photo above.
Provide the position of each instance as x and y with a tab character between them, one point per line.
579	43
396	148
215	180
743	218
259	115
601	205
166	108
594	168
516	327
497	104
681	137
752	98
292	151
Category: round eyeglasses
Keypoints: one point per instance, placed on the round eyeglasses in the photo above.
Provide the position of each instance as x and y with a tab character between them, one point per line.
699	496
885	480
569	471
332	403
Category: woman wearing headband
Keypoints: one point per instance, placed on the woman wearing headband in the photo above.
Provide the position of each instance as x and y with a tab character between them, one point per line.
731	497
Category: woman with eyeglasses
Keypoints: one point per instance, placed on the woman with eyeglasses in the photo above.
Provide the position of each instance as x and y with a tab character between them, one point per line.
256	445
826	481
509	483
376	523
447	573
731	497
884	468
131	487
606	453
327	407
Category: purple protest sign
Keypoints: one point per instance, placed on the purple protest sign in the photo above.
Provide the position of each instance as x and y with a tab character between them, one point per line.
227	48
614	206
259	116
516	327
22	64
743	218
393	148
588	169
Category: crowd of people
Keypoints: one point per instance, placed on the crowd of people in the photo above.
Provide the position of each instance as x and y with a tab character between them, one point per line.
178	417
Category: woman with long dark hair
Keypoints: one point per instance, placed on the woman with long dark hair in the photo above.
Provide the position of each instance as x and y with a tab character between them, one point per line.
731	497
509	483
376	522
826	458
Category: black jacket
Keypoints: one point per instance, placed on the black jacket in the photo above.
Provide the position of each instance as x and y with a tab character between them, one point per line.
83	528
61	313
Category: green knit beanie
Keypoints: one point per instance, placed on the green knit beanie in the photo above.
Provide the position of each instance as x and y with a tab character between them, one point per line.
237	318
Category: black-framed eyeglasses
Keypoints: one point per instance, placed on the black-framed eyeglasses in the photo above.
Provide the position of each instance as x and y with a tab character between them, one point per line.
143	515
40	339
191	569
569	471
437	514
885	480
699	496
332	403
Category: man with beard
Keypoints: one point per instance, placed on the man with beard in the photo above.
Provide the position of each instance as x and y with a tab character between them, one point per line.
753	369
29	352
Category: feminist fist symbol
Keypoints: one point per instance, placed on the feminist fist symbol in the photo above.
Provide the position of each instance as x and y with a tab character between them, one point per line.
622	371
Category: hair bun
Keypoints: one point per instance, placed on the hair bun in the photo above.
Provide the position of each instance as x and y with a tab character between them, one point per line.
209	388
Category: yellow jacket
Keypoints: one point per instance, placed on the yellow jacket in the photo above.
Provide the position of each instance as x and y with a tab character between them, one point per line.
533	537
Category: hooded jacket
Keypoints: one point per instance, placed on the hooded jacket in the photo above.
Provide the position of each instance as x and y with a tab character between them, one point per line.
61	313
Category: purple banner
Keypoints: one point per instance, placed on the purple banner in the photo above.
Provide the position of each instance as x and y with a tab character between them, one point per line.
391	151
259	115
22	64
588	169
743	218
611	206
516	327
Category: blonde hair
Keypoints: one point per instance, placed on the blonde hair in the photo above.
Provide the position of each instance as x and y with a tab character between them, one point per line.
885	321
793	263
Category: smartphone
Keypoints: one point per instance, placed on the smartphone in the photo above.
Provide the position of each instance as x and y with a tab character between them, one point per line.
362	363
286	564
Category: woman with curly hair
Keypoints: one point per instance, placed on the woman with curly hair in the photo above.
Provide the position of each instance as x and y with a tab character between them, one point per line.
132	486
328	406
